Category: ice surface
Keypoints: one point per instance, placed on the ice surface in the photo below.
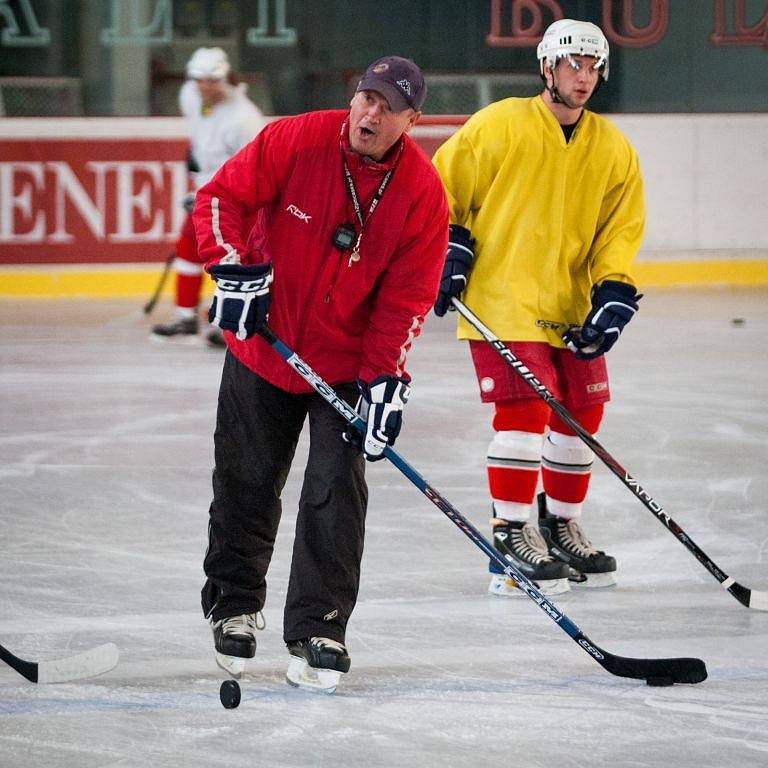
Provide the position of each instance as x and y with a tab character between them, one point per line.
106	448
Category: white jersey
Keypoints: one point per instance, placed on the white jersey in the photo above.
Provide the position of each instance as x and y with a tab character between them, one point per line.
221	132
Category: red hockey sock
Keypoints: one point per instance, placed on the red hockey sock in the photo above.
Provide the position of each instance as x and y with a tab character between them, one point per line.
567	462
189	273
514	457
188	290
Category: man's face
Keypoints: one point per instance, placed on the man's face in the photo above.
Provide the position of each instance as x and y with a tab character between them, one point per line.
211	91
373	126
576	79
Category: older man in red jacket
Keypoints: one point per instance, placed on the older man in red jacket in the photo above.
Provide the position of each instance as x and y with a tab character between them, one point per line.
345	260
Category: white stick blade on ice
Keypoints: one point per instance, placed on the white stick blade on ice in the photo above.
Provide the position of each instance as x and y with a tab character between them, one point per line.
758	599
97	661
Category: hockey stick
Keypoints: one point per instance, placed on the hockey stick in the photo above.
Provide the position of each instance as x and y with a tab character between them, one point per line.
87	664
150	305
653	671
751	598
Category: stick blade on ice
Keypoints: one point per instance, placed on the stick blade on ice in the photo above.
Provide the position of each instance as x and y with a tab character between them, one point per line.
679	670
751	598
90	663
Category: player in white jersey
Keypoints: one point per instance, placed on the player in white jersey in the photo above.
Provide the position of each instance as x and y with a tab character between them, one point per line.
221	119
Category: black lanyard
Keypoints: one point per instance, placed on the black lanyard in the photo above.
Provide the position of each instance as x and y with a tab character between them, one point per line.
356	203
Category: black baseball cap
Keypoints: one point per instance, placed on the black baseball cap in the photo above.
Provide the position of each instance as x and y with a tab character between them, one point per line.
398	80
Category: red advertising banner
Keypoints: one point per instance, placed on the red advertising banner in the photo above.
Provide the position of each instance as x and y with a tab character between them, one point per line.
98	192
103	190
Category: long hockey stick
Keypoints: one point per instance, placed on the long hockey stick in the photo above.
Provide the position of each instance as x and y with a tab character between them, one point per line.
751	598
150	305
87	664
653	671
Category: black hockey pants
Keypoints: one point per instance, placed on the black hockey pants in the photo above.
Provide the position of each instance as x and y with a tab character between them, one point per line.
257	429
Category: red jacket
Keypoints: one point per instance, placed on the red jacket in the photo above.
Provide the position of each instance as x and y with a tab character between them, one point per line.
348	320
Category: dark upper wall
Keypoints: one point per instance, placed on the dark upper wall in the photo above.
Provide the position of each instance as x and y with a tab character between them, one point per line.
683	56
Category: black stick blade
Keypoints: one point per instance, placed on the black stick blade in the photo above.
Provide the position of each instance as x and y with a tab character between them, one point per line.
670	671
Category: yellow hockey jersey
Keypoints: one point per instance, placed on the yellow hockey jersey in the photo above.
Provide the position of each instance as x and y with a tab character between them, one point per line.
550	218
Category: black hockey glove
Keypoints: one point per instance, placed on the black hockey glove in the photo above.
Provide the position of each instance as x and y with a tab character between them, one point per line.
241	300
613	306
380	405
458	259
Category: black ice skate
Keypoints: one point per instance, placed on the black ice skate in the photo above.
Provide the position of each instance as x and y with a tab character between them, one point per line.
589	567
522	544
181	330
235	641
316	664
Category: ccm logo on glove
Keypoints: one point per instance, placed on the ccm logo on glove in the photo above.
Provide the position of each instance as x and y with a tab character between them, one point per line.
241	299
244	286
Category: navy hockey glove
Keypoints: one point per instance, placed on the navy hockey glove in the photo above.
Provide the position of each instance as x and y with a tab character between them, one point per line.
380	405
613	306
241	300
458	259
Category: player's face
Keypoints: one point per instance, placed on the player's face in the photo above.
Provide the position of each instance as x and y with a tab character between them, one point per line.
373	126
211	91
576	79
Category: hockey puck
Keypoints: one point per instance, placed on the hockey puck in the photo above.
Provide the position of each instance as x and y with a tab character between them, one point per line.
738	321
654	681
229	693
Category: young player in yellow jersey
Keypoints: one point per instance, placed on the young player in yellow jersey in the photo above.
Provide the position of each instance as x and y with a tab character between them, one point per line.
547	214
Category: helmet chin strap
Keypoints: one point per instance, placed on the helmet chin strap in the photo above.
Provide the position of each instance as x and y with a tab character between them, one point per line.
555	94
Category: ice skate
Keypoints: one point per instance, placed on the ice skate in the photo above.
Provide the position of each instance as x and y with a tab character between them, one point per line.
522	544
183	330
235	641
316	664
589	567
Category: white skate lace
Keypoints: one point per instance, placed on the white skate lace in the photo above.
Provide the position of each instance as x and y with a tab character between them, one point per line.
245	624
529	545
573	538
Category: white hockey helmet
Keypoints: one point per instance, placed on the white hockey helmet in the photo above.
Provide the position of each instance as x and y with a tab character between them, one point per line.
208	64
568	37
